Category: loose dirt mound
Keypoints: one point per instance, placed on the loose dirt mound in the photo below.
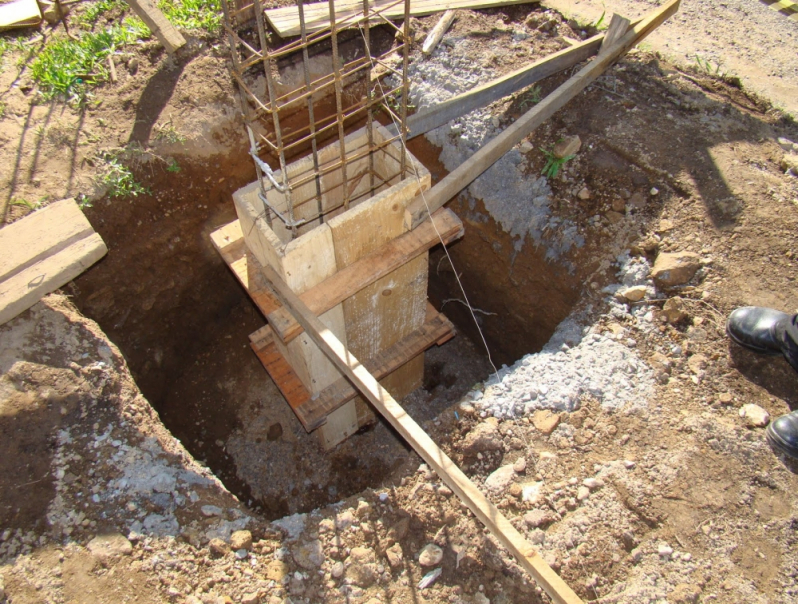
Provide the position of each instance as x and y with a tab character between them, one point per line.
653	488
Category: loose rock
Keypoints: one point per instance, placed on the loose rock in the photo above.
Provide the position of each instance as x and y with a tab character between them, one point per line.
754	416
545	421
310	555
633	294
394	555
537	518
673	310
484	437
109	546
218	548
500	479
672	269
241	540
570	145
430	555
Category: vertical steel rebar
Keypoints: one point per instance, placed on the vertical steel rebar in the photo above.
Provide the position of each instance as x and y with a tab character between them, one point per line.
274	111
405	84
369	94
311	113
245	108
338	101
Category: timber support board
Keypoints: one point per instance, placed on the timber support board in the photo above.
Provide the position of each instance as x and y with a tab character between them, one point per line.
369	269
313	412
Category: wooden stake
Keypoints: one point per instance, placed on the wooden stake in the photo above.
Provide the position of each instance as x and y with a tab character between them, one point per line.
419	209
159	25
112	69
617	28
448	471
437	32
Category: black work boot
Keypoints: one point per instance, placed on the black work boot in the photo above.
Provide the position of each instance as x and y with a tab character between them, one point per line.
759	329
782	434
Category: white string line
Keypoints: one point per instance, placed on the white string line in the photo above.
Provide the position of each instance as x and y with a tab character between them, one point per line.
429	213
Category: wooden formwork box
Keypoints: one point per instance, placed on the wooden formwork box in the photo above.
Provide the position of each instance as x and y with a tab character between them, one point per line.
376	317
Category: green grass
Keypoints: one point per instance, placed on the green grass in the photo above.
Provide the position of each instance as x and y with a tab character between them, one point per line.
95	10
70	67
193	14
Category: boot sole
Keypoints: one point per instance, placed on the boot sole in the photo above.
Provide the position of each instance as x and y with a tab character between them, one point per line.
765	351
779	444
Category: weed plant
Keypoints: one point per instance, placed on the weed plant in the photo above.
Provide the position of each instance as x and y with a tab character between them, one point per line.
553	163
119	179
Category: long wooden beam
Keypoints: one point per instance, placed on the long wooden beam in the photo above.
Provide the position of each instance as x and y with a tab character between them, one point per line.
468	171
448	471
457	106
358	275
285	20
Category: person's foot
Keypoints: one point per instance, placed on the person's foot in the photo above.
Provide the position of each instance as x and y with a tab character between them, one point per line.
756	328
782	434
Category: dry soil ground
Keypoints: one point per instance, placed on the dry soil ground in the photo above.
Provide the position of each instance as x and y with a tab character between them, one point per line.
676	498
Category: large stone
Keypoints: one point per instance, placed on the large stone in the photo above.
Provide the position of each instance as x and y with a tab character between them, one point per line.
430	555
241	540
754	416
110	546
790	163
310	555
484	437
545	421
500	479
218	548
678	268
538	517
362	575
276	570
673	310
394	555
569	145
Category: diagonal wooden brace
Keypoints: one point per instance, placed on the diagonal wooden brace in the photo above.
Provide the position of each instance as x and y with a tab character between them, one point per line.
448	471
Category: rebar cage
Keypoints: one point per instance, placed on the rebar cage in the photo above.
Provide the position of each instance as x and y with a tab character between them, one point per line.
286	119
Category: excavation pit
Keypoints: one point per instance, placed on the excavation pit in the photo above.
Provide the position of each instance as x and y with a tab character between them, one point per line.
182	321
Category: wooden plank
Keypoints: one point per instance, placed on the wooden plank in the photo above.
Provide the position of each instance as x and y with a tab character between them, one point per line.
367	270
229	242
285	20
446	469
22	290
457	106
437	32
393	306
167	34
303	263
20	13
436	329
618	27
468	171
281	373
41	234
